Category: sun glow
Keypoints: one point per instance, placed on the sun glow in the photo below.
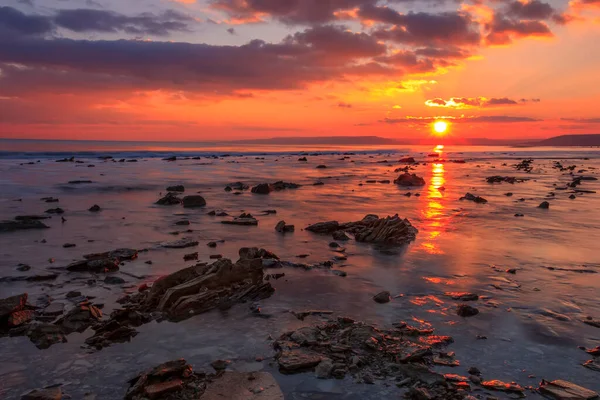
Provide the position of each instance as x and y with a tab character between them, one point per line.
440	127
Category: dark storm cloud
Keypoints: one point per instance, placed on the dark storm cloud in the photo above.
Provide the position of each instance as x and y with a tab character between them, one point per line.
503	30
90	20
16	23
532	10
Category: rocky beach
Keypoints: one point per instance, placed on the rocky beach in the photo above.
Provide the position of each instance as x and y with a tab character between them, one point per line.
312	273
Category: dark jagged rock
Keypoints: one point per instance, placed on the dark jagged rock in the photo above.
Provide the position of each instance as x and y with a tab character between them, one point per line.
265	188
472	197
176	188
463	296
302	159
341	236
282	227
94	208
372	229
243	219
193	201
407	179
12	311
17	225
169	199
190	257
44	335
507	179
79	318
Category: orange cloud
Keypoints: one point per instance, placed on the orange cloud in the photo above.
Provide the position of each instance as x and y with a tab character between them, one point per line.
470	102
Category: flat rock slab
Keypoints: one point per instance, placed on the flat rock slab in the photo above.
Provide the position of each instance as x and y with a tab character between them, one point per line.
12	304
244	386
298	359
563	390
10	226
180	244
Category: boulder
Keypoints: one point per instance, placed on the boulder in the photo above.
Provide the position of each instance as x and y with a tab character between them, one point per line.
282	227
407	160
389	230
544	205
79	318
464	310
341	236
19	318
263	188
324	227
44	335
407	179
472	197
193	201
94	208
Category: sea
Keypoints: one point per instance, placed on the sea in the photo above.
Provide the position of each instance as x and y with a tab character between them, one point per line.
530	325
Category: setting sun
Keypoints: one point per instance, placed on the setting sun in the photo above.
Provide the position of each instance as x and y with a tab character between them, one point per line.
440	127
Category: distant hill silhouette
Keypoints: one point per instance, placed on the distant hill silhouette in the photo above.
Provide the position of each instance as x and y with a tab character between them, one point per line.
571	140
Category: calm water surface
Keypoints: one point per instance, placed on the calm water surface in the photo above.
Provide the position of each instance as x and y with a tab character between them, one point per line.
532	319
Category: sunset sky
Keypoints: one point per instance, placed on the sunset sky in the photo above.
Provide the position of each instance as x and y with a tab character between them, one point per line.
230	69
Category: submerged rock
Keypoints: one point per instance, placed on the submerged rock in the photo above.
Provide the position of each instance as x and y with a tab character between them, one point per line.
236	186
44	335
324	227
472	197
507	179
407	179
12	304
56	210
181	243
464	310
94	208
407	160
563	390
17	225
51	393
79	318
243	219
266	188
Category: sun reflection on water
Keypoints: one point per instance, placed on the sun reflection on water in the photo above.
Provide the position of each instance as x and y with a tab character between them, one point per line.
433	212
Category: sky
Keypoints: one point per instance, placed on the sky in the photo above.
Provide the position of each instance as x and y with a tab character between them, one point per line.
212	70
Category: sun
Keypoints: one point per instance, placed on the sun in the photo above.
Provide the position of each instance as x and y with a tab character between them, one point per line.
440	127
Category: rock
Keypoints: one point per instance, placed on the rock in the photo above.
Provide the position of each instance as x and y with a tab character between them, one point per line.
182	222
180	244
382	297
341	236
190	257
94	208
590	364
282	227
263	188
79	318
324	227
595	351
472	197
215	256
69	245
11	226
49	199
298	360
52	393
407	179
337	272
44	335
212	244
464	296
502	386
114	280
54	309
30	217
193	201
464	310
563	390
244	386
321	166
79	182
19	318
220	365
507	179
407	160
239	186
12	304
29	278
168	200
23	267
73	293
243	219
302	159
323	370
572	197
544	205
390	230
166	378
176	188
57	210
474	371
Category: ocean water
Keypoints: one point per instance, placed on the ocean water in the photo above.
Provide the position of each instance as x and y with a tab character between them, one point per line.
532	319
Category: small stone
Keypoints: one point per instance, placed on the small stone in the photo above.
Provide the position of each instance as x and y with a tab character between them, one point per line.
220	365
544	205
211	244
94	208
68	245
382	297
215	256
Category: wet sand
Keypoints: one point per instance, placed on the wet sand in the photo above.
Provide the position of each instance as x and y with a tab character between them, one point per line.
532	319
